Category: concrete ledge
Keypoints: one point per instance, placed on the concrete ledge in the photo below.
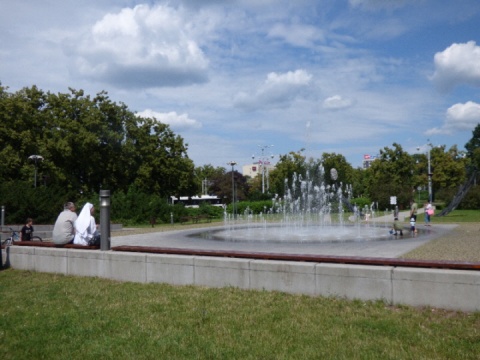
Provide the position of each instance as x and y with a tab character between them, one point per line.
220	272
171	269
442	288
21	258
448	289
86	263
291	277
354	281
125	266
50	260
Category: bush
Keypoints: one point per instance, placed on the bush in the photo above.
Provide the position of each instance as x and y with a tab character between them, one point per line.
361	202
255	207
204	210
471	201
22	200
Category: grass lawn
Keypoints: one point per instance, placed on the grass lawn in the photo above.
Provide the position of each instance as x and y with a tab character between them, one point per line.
456	216
47	316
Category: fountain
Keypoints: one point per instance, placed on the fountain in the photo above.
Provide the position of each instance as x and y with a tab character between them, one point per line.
310	212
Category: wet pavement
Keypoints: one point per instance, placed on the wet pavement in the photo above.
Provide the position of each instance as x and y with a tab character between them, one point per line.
388	247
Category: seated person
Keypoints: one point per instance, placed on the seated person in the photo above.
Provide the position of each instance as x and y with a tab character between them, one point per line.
64	231
85	227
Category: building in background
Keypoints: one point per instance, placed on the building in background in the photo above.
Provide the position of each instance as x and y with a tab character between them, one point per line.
255	169
367	160
261	168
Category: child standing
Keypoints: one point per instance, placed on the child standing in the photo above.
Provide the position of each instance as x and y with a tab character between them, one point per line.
412	225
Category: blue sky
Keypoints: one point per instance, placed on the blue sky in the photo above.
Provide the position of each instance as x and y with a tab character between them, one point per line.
232	76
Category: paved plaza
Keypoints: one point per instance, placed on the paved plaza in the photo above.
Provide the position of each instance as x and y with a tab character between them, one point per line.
388	247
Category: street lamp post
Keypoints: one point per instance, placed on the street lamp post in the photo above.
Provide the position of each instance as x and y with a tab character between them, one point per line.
264	160
430	146
232	164
429	176
35	159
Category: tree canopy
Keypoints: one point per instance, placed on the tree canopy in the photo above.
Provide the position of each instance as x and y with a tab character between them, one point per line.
473	148
92	143
88	144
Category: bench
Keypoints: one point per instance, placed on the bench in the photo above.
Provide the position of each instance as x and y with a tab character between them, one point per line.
51	244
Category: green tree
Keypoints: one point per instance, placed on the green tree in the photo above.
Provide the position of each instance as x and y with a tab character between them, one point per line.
360	183
287	165
88	144
206	176
21	132
391	175
473	148
448	168
222	186
345	173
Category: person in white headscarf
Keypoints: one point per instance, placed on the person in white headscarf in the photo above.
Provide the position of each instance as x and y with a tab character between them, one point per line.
85	227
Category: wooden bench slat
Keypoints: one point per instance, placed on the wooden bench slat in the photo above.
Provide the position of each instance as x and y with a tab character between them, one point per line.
51	244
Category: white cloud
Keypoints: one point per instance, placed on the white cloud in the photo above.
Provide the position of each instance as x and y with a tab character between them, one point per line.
176	121
336	102
297	77
297	35
457	64
459	117
141	47
227	48
278	90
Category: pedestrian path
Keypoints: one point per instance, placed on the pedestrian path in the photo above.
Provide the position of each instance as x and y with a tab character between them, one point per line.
402	216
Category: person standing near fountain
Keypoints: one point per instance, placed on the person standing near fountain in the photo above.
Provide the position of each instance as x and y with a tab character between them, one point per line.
413	209
397	227
428	212
413	230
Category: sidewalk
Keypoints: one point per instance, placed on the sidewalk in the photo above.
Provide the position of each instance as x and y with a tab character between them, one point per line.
403	216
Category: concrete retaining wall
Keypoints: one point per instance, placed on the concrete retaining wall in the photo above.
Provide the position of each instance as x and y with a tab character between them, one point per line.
448	289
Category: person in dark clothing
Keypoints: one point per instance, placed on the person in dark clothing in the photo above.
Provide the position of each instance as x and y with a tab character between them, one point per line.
27	231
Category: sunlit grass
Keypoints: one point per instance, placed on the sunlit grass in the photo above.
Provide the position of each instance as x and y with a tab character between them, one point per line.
59	317
456	216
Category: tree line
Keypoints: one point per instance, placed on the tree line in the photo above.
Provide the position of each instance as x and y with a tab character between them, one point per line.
89	143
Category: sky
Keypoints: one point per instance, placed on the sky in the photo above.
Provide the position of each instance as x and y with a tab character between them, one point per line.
243	78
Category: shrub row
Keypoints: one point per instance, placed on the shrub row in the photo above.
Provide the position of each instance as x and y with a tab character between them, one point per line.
43	204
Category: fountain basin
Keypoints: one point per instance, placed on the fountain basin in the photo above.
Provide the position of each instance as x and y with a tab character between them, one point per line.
304	234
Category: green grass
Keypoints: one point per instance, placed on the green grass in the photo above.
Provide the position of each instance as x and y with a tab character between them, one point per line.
458	216
59	317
